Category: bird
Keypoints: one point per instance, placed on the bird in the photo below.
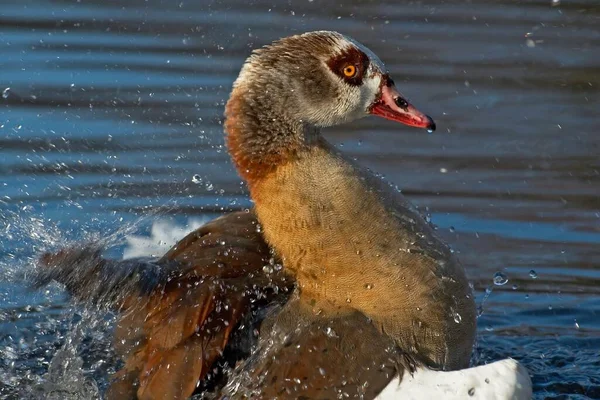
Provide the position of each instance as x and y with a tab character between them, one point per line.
331	286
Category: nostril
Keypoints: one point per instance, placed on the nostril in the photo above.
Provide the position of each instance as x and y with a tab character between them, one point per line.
400	102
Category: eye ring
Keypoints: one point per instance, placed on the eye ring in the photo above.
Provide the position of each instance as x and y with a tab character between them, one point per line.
349	71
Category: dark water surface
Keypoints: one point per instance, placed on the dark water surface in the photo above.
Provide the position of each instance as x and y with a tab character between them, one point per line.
108	111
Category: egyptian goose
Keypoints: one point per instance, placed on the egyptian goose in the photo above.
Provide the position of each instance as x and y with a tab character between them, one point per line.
367	291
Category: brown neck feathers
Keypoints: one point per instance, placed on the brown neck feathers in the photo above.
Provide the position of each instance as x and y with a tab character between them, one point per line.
260	134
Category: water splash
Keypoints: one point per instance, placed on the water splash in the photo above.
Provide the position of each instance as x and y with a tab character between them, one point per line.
40	346
65	379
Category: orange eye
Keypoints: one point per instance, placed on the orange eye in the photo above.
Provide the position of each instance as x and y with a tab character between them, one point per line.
349	71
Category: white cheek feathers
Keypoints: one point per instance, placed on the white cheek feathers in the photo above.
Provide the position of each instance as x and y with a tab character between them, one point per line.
370	90
355	101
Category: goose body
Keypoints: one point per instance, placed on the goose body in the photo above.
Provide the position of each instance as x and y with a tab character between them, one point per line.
333	285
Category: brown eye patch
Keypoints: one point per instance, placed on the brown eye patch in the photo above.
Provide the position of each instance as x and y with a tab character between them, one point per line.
350	65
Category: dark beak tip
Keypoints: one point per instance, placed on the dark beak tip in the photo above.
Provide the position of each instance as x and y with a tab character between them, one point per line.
431	124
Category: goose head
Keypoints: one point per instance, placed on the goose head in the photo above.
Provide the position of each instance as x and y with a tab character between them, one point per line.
288	90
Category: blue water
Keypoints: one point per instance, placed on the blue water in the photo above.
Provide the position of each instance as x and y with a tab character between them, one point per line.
110	108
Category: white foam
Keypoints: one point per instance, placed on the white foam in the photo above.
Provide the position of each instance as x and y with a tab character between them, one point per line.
163	235
500	380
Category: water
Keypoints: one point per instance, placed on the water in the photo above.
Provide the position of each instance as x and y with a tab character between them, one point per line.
112	112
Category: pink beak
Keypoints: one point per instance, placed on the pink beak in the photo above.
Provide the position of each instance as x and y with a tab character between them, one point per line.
393	106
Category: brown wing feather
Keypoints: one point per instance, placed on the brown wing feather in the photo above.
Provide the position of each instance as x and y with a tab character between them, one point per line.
177	314
302	355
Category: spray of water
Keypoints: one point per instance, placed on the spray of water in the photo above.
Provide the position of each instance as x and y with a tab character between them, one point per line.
42	336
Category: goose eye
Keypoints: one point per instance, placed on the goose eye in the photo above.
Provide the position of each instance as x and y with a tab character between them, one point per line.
349	71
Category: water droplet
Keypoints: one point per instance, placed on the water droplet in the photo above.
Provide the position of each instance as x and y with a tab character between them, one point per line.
196	179
368	286
457	318
267	269
6	93
533	274
330	332
322	371
472	392
500	278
